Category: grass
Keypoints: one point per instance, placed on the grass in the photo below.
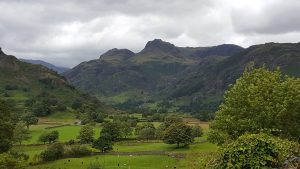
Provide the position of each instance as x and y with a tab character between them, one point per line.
160	146
66	133
111	162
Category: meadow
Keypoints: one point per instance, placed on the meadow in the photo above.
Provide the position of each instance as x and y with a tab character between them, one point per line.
137	154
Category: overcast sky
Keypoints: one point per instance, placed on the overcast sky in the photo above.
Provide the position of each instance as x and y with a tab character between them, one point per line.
67	32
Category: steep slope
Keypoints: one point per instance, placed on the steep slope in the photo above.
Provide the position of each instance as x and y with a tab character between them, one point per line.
127	80
46	64
204	84
21	83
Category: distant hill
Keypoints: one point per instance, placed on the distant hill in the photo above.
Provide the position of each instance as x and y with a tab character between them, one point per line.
126	79
22	83
46	64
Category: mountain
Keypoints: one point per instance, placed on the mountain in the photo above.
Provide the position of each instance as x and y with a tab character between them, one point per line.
46	64
25	84
164	77
126	79
204	84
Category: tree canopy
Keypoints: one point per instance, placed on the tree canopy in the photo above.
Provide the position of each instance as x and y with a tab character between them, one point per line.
259	100
6	127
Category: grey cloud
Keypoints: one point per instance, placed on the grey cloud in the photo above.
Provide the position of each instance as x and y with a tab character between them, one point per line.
71	31
274	17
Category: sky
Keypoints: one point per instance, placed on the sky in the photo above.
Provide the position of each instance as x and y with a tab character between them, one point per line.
67	32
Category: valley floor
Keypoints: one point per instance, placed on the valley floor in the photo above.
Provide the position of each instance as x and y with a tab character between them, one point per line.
132	154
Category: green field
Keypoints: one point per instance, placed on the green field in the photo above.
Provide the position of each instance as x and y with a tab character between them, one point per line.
66	133
111	162
136	154
159	146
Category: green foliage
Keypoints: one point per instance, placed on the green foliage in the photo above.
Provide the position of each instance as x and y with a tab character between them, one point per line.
260	100
86	134
76	104
103	143
77	151
178	133
256	151
53	152
110	133
8	161
21	133
126	129
197	131
146	131
49	137
112	130
6	127
30	119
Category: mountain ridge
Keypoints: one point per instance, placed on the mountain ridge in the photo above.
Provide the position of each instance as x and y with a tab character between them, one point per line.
58	69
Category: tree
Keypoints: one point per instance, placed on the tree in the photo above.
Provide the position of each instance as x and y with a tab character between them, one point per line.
103	143
178	133
259	100
197	131
41	109
21	133
76	104
146	134
126	129
49	137
112	130
146	131
30	119
54	152
86	134
8	161
6	127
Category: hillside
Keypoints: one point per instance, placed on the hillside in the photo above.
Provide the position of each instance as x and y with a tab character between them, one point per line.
57	69
26	85
126	79
205	83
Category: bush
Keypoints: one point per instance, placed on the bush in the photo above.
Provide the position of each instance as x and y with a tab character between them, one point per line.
53	152
8	161
77	151
197	131
257	151
49	137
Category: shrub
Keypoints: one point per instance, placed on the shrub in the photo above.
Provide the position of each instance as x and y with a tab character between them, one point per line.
197	131
8	161
53	152
77	151
49	137
257	151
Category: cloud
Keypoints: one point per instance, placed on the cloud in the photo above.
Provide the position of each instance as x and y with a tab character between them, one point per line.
71	31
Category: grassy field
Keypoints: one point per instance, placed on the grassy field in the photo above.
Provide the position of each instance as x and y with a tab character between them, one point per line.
111	162
159	146
66	133
192	153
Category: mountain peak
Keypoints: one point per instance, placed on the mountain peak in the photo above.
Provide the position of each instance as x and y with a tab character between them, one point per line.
116	51
120	53
158	44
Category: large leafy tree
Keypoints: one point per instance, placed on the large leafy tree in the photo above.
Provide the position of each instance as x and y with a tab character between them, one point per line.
30	119
21	133
112	130
260	100
6	127
178	133
86	134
